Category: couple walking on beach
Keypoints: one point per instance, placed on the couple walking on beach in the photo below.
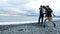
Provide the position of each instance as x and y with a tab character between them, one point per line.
45	11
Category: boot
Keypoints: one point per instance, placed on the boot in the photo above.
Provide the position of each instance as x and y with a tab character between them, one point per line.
54	24
44	26
38	22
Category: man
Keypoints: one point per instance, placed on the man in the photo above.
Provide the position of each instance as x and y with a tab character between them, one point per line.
40	15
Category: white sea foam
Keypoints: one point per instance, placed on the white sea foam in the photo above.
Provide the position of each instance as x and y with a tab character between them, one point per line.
10	23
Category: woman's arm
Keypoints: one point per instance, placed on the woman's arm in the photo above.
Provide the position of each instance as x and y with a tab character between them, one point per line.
53	14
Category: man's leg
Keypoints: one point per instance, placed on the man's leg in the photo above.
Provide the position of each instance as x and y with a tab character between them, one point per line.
42	19
39	19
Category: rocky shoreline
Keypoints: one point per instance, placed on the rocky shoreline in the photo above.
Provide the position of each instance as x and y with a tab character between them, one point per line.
32	28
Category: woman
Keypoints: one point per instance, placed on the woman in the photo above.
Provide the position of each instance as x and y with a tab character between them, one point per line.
49	13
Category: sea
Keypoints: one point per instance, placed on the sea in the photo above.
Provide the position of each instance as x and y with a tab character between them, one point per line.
7	20
17	18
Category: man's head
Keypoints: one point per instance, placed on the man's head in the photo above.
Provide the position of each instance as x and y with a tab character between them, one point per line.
40	5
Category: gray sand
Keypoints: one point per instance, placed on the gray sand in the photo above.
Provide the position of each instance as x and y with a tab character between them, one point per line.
32	28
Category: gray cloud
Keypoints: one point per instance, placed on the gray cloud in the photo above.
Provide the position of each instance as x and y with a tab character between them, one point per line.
18	2
16	7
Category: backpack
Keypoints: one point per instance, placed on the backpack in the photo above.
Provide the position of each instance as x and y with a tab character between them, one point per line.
49	10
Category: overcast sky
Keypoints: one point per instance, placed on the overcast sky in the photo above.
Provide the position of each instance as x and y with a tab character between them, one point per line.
28	5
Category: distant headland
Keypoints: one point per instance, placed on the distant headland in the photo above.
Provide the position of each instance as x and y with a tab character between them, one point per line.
9	15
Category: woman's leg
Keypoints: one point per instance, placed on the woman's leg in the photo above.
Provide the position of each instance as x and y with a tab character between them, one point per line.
44	23
51	20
